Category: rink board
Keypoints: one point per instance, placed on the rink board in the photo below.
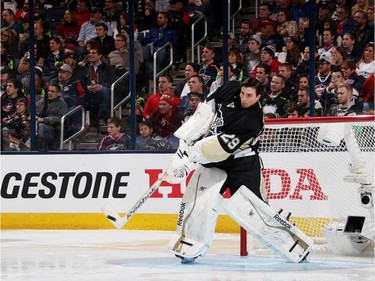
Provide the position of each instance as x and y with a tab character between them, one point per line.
67	191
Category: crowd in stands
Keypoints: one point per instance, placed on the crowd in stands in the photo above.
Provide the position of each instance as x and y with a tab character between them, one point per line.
81	54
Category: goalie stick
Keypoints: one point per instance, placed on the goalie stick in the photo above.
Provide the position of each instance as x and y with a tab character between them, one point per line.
119	221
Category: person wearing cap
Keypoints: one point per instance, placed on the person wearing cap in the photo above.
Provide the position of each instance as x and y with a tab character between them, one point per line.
267	56
69	58
49	111
69	27
269	35
252	57
323	77
167	118
88	29
293	54
71	89
147	18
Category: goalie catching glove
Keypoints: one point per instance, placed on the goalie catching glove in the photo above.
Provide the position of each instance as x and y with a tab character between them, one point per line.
180	165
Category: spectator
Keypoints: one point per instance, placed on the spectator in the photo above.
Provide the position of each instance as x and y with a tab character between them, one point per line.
366	65
338	56
324	14
303	103
55	56
348	68
16	128
8	100
70	59
8	20
115	140
96	79
280	5
267	56
208	67
323	77
88	29
49	111
71	90
270	37
196	85
147	19
167	118
275	102
5	75
293	54
9	43
219	50
346	106
82	11
179	20
220	80
241	40
265	11
182	88
157	38
138	52
252	57
262	75
370	16
328	44
41	40
152	103
299	9
286	26
362	32
303	33
353	50
107	43
303	80
195	99
360	5
120	57
329	95
148	140
111	14
291	87
344	22
69	27
367	94
236	60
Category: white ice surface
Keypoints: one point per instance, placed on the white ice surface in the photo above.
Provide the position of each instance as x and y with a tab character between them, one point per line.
142	255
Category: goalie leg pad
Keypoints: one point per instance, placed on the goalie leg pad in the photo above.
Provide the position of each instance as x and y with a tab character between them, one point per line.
266	225
198	213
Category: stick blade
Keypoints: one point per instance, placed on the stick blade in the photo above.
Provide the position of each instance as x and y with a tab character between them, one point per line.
113	216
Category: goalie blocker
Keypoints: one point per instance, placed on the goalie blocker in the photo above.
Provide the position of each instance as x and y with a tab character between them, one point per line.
199	211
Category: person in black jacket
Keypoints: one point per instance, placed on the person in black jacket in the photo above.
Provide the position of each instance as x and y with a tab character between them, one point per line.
96	78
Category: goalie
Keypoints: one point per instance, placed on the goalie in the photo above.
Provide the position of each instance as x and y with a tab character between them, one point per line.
227	158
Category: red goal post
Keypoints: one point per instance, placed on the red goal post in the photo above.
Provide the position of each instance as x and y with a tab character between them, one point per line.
305	160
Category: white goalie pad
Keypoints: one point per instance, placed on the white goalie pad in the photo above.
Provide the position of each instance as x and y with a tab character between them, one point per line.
267	226
197	126
198	213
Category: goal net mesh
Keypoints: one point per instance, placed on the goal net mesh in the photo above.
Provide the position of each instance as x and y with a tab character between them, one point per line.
305	161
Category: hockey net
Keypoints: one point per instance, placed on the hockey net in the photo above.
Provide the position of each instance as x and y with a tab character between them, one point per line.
305	161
